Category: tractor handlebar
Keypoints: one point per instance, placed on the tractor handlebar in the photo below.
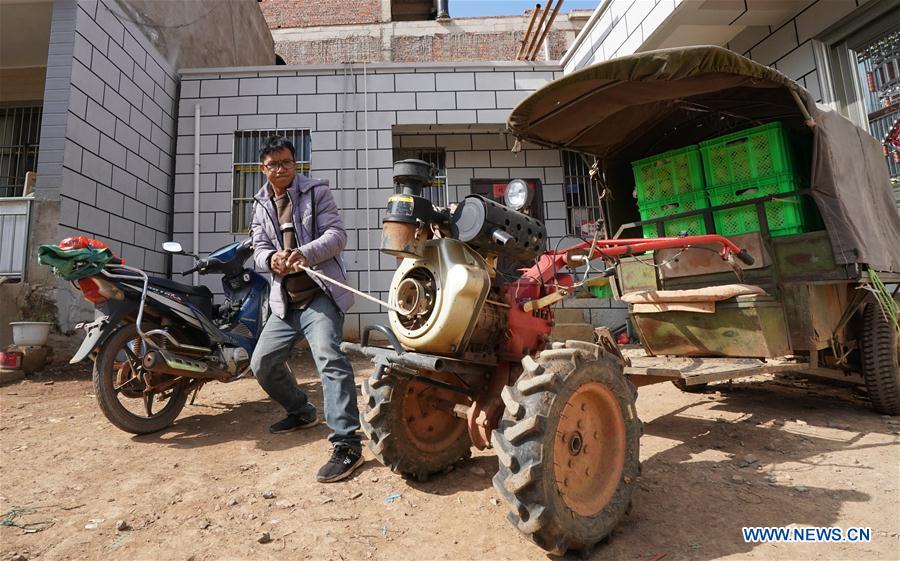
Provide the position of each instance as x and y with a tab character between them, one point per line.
551	263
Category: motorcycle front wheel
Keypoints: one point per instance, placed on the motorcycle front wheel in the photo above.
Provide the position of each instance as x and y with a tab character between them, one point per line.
131	398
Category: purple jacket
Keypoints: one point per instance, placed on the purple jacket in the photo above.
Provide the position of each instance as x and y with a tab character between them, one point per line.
321	248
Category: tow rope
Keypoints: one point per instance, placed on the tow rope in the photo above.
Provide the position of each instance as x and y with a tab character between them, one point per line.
351	289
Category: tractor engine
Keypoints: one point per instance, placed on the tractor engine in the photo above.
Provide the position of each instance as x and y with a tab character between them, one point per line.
450	297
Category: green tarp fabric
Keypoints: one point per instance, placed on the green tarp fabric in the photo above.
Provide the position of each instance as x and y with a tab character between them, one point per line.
645	103
73	264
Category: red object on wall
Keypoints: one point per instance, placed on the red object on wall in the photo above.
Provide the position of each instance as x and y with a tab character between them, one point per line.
11	359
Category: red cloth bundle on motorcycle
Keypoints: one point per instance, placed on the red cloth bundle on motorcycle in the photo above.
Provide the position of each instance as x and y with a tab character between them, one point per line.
76	257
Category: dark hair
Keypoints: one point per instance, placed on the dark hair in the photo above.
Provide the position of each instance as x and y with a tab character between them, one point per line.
274	144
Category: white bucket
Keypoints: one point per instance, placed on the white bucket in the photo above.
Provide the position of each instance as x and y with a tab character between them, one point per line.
30	333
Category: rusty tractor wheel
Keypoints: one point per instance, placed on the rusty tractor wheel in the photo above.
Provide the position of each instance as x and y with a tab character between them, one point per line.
696	388
880	358
411	427
568	447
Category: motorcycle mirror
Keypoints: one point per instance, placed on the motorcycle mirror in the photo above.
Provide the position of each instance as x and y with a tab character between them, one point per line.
172	247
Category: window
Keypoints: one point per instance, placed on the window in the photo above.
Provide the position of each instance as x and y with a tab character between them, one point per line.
437	157
248	178
582	197
859	67
20	134
878	66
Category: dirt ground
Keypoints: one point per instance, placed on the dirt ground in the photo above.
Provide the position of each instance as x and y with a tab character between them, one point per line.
759	452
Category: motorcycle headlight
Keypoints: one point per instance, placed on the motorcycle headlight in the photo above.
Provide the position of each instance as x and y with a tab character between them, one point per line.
517	194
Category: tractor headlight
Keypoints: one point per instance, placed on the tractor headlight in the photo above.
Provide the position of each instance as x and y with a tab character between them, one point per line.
517	194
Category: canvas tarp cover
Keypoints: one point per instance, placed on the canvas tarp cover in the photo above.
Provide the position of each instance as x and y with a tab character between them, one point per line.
661	98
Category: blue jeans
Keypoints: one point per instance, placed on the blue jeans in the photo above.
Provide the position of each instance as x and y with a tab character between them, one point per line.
322	324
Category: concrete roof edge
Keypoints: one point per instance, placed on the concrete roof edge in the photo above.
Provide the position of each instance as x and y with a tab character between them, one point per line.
553	66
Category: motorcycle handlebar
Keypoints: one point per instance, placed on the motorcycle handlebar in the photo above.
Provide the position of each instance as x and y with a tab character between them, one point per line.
200	266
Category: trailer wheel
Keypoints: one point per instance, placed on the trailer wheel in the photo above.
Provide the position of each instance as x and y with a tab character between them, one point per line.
410	428
568	447
880	360
696	388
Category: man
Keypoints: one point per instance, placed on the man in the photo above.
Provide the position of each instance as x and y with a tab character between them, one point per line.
296	222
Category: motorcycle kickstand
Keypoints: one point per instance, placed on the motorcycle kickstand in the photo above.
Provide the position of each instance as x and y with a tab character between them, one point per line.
196	391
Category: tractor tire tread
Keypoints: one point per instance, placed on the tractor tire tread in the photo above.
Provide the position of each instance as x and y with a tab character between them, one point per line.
521	444
880	361
376	422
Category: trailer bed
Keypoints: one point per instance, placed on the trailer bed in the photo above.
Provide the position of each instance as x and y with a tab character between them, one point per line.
645	370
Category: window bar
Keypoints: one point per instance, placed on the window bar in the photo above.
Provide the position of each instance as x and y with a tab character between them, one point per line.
18	124
4	159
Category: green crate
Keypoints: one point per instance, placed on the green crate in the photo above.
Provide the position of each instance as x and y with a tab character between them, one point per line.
602	291
666	175
694	225
755	153
786	216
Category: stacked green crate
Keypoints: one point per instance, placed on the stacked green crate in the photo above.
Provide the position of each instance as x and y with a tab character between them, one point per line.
602	292
755	163
693	225
667	184
786	215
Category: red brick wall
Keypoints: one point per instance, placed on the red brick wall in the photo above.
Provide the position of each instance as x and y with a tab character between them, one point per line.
444	47
308	13
331	51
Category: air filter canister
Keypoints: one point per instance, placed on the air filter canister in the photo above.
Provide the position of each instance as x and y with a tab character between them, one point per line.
494	228
406	216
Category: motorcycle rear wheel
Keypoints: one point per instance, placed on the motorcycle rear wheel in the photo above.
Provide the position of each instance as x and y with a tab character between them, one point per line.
118	376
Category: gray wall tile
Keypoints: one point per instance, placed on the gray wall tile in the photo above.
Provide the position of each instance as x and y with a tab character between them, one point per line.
455	81
296	85
277	103
258	86
237	105
218	88
415	82
93	220
495	81
476	100
436	100
316	103
401	101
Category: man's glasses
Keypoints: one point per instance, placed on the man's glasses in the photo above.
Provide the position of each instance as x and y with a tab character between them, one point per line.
283	164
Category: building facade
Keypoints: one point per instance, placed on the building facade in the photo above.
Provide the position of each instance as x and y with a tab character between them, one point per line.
88	100
354	121
324	32
115	156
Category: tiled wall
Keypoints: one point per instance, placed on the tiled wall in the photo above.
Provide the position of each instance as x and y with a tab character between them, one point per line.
621	29
402	104
106	148
625	25
788	47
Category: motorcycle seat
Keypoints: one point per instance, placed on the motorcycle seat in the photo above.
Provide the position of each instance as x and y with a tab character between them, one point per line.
198	291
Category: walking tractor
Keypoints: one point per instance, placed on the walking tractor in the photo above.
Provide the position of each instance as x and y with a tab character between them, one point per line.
468	360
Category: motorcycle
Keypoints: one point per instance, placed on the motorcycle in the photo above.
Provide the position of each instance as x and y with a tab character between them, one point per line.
159	340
